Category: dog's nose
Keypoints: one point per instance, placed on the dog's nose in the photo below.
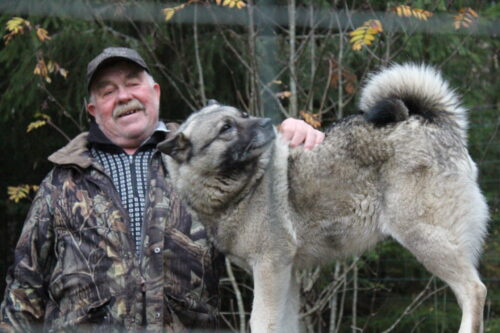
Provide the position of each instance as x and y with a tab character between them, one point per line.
265	123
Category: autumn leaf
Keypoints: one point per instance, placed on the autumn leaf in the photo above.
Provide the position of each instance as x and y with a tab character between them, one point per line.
465	18
63	72
42	34
312	119
365	34
42	115
15	26
42	70
35	124
231	3
421	14
275	82
170	12
283	94
17	193
407	11
55	67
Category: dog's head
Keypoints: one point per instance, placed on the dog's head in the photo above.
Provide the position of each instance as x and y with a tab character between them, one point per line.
219	138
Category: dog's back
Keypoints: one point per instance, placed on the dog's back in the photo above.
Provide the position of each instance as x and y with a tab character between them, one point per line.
404	159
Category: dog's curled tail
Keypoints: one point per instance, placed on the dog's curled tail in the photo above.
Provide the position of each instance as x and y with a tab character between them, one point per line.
400	91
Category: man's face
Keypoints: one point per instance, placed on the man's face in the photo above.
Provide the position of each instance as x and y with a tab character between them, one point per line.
125	104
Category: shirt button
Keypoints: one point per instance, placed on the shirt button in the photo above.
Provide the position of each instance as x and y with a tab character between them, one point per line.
156	250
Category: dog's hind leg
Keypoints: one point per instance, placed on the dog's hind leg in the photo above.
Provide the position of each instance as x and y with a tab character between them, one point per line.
449	259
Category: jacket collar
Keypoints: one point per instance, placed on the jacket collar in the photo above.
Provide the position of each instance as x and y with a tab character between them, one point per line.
76	152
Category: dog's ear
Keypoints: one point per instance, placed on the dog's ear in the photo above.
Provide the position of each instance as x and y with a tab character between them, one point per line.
178	147
212	102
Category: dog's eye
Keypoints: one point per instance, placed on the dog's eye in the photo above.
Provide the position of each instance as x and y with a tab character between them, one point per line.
226	127
244	115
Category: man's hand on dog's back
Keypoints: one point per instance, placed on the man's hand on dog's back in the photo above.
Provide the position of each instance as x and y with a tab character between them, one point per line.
298	132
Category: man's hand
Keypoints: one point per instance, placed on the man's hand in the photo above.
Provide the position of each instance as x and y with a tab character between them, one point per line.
299	132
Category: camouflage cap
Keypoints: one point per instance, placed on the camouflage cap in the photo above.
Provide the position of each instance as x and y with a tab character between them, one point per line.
109	54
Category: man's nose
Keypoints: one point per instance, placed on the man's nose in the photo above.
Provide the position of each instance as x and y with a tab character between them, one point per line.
124	94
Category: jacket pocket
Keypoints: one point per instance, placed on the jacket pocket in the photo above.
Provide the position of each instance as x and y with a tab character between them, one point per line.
192	313
87	317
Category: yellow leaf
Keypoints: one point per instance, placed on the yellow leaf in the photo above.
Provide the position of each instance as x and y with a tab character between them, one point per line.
226	2
407	11
465	18
35	124
312	119
51	66
15	24
42	115
376	25
42	34
169	13
240	4
472	12
41	68
63	72
16	193
358	32
368	39
365	34
357	37
283	94
218	2
357	46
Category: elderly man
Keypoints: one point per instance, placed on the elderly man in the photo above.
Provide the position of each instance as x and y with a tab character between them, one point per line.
106	242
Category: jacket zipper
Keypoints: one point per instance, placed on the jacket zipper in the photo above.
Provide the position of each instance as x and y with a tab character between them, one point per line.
146	205
133	175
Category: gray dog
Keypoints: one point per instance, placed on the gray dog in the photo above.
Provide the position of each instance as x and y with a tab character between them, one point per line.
401	169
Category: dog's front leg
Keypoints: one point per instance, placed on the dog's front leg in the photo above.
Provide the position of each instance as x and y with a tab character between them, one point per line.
273	288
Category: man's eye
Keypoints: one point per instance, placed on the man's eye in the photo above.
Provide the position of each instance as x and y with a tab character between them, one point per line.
225	128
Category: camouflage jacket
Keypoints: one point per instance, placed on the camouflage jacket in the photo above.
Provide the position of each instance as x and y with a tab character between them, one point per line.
75	262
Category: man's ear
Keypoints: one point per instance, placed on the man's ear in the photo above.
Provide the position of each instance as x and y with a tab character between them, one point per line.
91	109
178	147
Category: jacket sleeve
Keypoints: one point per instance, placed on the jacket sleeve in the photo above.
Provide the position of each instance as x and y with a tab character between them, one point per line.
23	306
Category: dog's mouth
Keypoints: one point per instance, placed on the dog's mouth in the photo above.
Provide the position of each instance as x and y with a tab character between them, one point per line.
256	145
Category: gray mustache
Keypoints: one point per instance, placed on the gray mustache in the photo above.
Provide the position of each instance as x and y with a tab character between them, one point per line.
123	108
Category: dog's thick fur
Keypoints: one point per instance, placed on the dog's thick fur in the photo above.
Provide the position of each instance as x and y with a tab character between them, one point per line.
401	169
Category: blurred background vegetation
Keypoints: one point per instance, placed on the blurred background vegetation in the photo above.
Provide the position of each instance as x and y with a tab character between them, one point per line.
275	58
